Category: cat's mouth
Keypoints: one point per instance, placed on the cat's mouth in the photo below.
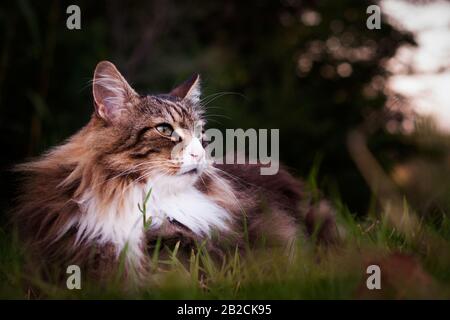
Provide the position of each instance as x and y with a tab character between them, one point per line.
191	171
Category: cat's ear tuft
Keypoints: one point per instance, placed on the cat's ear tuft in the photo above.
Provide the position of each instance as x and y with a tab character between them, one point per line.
189	90
112	93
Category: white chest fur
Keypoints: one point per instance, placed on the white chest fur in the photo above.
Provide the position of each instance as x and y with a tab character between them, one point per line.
189	207
121	223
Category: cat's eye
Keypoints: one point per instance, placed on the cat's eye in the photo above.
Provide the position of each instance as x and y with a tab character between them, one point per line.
165	129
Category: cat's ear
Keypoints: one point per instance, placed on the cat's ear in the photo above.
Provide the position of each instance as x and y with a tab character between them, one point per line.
189	90
112	93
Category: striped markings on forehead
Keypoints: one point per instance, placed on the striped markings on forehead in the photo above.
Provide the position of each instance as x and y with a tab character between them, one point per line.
175	112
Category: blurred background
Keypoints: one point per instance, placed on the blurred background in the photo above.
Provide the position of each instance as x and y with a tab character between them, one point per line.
363	112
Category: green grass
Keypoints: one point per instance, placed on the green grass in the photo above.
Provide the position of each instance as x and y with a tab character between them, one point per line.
313	273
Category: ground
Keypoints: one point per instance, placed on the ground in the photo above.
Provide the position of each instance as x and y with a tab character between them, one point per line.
411	266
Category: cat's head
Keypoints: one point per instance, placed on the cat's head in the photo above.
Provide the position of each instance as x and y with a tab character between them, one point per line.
148	136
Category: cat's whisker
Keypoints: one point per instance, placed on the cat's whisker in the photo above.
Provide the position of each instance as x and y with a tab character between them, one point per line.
215	108
213	95
128	171
218	95
218	115
145	175
226	187
203	181
236	178
216	121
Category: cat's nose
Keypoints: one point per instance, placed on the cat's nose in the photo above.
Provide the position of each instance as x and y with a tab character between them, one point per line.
197	155
196	150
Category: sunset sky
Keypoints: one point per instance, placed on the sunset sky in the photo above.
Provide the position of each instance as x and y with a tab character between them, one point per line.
428	86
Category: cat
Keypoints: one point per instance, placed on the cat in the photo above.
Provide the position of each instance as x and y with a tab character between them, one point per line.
78	203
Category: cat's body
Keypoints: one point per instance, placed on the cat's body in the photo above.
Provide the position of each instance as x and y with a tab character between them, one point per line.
79	202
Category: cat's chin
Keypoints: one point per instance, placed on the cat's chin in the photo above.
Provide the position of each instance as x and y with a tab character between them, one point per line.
188	178
193	171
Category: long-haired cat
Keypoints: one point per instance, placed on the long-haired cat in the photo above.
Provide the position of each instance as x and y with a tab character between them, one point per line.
79	202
